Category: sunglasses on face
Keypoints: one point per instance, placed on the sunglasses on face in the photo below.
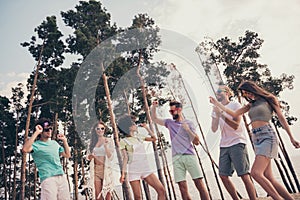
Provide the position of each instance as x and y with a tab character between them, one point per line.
220	91
173	111
100	128
48	129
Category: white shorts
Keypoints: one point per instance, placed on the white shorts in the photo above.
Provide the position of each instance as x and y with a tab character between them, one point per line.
55	188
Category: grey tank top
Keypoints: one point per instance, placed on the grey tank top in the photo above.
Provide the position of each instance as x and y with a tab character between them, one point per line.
260	110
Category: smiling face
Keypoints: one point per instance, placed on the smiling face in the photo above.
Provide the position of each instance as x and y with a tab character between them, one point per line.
100	129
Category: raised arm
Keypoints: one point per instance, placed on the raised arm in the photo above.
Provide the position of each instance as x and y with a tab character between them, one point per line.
27	147
154	116
286	126
215	119
152	138
109	147
66	153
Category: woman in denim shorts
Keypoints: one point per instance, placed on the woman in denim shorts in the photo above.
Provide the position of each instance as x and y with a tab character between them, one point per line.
260	108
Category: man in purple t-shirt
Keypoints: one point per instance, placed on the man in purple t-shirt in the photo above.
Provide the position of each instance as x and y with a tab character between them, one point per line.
183	134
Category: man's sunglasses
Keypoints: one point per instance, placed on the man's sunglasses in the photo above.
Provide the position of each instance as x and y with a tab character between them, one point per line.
102	128
48	129
220	91
172	111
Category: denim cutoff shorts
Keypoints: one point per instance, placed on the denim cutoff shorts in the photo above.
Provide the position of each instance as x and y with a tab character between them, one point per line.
265	141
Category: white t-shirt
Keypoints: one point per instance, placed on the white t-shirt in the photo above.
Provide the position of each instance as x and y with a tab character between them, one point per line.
229	136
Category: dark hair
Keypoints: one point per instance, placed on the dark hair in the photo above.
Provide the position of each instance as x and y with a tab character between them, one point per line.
250	86
44	122
176	104
94	135
124	124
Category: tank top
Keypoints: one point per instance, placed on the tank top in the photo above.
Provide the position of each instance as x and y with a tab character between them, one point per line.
99	151
260	110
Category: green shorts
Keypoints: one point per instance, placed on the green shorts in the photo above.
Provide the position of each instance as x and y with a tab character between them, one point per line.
234	158
183	163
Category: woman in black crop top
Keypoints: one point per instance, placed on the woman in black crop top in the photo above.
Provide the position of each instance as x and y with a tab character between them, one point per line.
260	108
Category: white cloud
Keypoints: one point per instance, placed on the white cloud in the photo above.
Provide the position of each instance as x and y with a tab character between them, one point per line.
10	80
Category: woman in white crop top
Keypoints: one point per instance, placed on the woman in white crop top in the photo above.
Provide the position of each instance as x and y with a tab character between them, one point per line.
261	106
101	149
134	154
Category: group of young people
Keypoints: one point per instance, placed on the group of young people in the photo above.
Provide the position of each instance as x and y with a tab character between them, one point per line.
226	116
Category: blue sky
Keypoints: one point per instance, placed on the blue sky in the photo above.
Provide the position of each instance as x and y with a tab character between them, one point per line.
277	23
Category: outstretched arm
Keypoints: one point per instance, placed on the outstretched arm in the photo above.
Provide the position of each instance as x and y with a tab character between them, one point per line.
235	113
286	126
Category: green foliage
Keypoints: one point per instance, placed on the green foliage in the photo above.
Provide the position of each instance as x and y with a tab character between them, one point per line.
91	24
49	40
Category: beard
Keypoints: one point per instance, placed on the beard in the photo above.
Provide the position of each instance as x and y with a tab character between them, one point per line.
176	116
220	98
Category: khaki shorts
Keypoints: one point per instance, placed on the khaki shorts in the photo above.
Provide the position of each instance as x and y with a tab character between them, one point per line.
184	163
55	187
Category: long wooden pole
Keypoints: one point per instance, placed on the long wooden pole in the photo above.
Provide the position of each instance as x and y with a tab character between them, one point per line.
24	156
202	134
125	184
147	111
287	158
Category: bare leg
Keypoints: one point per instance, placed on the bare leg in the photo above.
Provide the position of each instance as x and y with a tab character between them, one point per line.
201	188
153	181
136	188
108	196
98	188
249	186
229	187
257	172
280	189
184	190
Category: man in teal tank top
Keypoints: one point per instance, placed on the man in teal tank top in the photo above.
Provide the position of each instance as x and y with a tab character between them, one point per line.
46	155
